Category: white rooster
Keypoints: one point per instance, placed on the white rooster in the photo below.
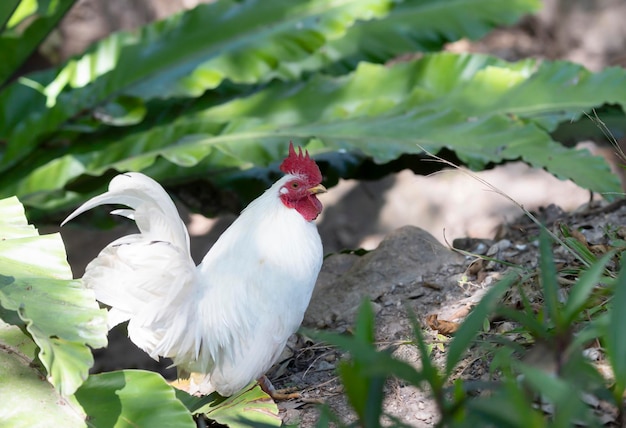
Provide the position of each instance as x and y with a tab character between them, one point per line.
228	318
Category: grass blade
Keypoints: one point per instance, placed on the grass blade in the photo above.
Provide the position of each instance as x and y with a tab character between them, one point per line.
549	280
474	322
616	334
582	289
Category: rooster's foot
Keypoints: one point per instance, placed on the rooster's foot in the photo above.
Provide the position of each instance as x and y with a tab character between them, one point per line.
277	394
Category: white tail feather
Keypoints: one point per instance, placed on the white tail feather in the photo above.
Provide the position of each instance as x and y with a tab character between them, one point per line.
147	278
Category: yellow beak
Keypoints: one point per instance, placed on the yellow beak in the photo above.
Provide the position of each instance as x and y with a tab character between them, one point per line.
317	189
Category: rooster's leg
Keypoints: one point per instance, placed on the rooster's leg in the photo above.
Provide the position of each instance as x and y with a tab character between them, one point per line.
277	395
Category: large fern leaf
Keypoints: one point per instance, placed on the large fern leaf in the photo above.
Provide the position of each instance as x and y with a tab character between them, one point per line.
183	55
480	107
248	42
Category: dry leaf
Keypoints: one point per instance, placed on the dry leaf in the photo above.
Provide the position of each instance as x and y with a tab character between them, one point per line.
577	234
599	249
476	266
447	328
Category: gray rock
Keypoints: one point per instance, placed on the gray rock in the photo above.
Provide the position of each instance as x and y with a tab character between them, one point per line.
406	257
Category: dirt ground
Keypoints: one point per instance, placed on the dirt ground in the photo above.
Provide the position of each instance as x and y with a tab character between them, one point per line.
410	270
411	265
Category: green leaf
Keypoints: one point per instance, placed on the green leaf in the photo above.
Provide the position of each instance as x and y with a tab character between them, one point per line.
472	325
365	393
429	103
27	398
549	283
327	418
62	316
16	49
132	398
506	407
365	331
124	111
419	25
594	330
580	291
363	376
429	372
377	363
246	42
616	335
184	55
251	407
14	11
560	392
529	89
527	318
600	125
64	320
195	402
14	223
582	250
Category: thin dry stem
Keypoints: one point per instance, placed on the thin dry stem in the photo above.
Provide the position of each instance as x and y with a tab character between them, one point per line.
607	133
503	194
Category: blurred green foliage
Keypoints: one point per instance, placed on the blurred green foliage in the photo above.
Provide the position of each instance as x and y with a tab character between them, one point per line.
215	94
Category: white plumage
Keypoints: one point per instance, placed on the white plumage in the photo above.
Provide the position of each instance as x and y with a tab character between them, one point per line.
229	317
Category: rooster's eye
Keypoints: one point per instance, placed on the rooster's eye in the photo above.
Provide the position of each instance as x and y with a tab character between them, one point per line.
295	184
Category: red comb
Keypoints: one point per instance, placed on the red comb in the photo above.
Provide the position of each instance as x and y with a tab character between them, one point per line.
301	164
